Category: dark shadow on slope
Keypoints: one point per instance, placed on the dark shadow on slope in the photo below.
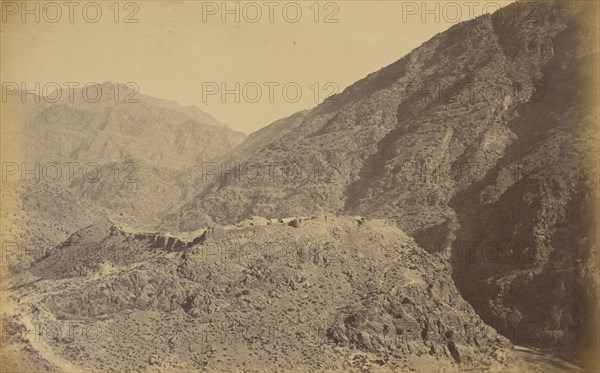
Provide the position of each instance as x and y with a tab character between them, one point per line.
556	116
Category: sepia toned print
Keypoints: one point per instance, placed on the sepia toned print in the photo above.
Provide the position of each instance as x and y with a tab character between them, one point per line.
299	186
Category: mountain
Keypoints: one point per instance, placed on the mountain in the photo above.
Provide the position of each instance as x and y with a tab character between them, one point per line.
122	124
479	144
70	161
263	137
191	111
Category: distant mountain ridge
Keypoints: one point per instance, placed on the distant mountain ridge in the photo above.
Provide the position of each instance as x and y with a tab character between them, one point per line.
115	152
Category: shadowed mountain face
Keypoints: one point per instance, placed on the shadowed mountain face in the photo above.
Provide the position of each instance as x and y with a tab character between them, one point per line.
94	154
475	143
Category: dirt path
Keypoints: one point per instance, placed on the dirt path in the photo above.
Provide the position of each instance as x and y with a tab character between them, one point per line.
37	341
45	351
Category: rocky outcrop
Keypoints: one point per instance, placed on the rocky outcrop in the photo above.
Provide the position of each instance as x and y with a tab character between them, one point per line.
164	241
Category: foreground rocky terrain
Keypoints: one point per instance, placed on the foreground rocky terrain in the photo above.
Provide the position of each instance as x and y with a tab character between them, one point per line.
326	293
319	293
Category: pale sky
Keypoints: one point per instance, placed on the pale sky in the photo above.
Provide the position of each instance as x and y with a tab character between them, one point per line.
173	53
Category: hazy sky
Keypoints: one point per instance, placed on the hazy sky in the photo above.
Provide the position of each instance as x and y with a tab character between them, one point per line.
180	50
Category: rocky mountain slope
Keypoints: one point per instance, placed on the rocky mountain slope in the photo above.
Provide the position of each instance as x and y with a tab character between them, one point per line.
481	136
341	294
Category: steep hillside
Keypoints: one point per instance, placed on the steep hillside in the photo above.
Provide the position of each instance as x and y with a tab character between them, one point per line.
230	165
256	141
482	134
